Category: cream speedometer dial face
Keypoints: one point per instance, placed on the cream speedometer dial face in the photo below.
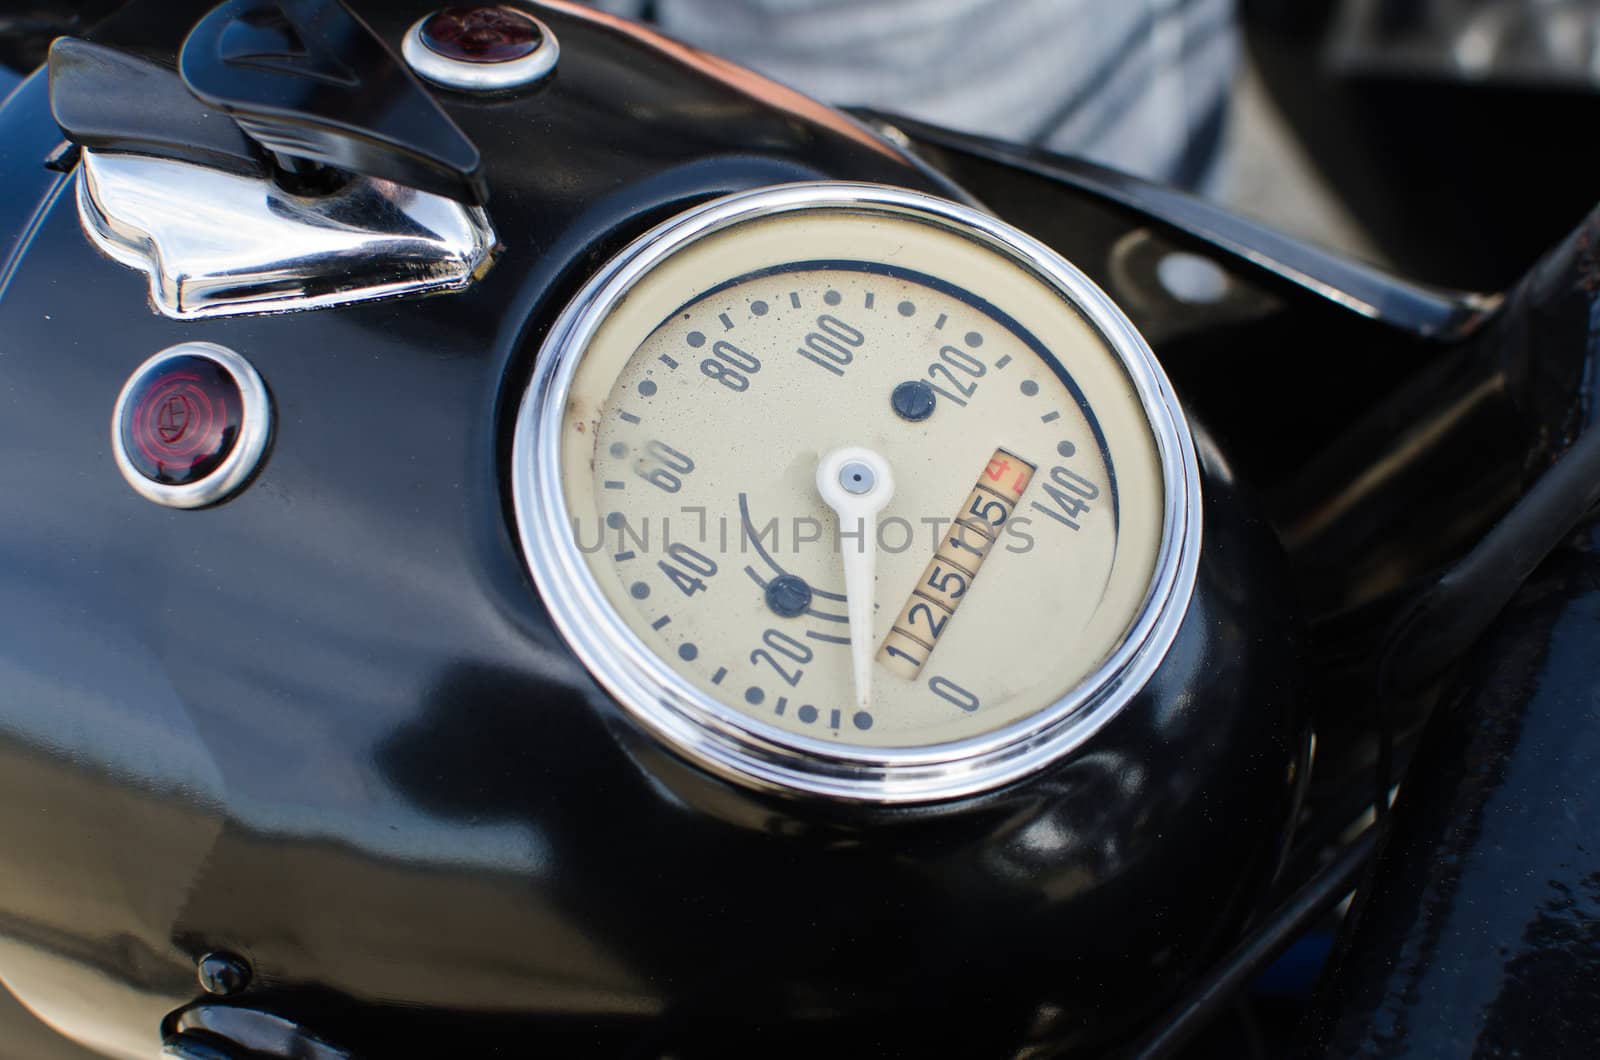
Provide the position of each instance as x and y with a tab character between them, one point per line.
854	491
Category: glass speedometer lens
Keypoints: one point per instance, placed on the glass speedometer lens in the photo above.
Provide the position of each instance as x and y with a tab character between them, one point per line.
1028	493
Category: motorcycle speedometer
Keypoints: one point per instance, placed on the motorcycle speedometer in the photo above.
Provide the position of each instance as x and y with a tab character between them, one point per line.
1029	569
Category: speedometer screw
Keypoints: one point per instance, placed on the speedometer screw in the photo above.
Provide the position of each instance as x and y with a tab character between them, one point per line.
788	596
913	401
222	974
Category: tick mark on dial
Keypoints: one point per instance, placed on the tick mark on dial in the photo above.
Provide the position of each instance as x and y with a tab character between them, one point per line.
640	590
688	652
833	297
613	484
754	696
938	325
906	308
1029	388
647	388
619	450
783	701
758	307
668	361
834	719
1003	361
1066	449
661	623
628	417
788	595
913	400
869	300
716	678
1050	417
623	557
727	321
696	339
794	299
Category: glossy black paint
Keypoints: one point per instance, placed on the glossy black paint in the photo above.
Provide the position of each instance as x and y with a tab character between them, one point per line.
1480	933
328	726
27	28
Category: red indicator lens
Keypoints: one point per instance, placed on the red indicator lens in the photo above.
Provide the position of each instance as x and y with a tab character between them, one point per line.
485	34
182	420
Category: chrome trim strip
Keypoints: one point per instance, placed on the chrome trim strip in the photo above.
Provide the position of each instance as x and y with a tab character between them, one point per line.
481	77
217	244
255	428
739	747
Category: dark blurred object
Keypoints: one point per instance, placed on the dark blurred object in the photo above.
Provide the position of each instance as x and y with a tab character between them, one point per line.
26	30
1451	128
1533	43
1481	933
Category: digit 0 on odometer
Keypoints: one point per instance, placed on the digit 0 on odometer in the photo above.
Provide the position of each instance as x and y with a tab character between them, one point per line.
854	491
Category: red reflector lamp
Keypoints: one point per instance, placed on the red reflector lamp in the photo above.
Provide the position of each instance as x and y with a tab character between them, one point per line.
191	425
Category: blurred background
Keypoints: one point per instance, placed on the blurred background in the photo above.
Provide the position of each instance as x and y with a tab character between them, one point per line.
1450	140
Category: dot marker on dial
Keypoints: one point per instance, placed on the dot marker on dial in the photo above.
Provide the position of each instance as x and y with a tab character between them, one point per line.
788	596
913	400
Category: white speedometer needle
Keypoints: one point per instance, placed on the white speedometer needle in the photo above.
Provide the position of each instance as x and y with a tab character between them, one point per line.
856	483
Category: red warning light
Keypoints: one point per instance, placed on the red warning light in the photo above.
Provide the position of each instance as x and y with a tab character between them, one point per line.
488	33
182	420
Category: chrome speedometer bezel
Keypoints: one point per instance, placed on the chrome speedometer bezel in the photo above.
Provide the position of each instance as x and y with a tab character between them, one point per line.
724	739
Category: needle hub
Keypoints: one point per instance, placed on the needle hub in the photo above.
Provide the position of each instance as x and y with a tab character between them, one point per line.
857	477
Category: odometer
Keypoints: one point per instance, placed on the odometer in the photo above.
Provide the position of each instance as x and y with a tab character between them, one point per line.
854	491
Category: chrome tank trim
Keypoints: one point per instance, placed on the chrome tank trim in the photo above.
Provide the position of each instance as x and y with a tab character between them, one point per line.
719	737
216	244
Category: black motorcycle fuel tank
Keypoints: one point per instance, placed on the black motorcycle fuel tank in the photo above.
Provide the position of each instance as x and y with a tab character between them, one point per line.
329	727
